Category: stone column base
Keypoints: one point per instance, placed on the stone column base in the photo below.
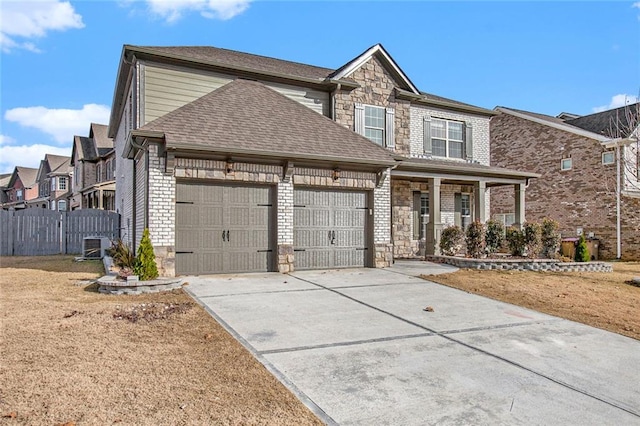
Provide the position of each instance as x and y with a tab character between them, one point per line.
384	255
165	260
285	258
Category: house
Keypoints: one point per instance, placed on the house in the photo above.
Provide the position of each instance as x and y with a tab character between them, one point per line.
4	186
578	160
54	183
22	187
93	163
238	162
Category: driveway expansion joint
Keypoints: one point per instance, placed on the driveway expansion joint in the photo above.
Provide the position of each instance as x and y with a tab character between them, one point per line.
480	350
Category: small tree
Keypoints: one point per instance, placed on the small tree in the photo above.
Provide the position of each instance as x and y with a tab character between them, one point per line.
550	238
475	239
451	240
516	241
532	238
494	236
582	251
145	266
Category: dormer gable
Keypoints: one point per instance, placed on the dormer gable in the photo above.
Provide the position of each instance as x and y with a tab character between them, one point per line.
379	52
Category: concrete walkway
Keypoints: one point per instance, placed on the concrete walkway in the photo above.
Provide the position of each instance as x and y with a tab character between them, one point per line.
358	347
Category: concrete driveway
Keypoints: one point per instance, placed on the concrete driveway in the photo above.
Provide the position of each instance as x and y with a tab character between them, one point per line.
358	347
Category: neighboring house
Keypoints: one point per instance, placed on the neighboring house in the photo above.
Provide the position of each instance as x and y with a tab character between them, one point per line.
22	187
54	183
238	162
93	163
4	186
578	161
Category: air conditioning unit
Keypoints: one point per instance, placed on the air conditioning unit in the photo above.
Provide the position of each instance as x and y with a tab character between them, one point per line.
95	247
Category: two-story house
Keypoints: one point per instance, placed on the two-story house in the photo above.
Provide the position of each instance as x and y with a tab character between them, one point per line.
589	167
239	162
54	183
4	186
93	163
22	187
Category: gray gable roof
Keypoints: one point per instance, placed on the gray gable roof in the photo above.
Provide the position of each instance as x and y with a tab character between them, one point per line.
99	133
27	175
614	123
234	59
246	117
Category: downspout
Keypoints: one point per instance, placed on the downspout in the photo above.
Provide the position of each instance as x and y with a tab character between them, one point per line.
140	147
618	213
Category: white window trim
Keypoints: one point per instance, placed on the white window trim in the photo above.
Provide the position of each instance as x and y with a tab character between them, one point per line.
446	138
562	168
613	158
384	130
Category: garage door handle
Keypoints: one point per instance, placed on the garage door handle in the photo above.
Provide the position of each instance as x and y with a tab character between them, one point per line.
228	239
223	238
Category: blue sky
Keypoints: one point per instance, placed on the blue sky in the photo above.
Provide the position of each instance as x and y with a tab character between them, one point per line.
59	58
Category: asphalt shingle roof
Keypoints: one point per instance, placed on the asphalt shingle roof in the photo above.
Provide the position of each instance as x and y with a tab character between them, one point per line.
248	116
27	175
234	59
607	123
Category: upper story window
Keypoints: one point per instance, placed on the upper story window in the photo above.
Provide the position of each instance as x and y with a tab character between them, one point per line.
76	174
566	164
376	123
62	183
19	194
447	138
99	172
62	205
608	157
109	169
53	184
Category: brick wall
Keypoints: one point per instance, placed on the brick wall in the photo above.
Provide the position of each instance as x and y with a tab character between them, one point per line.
583	197
376	89
479	124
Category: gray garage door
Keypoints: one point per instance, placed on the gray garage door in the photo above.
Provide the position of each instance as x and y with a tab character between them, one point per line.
223	228
330	229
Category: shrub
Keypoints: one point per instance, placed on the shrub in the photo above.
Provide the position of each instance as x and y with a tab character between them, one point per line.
475	239
494	236
516	241
582	251
550	238
145	266
122	254
451	240
532	239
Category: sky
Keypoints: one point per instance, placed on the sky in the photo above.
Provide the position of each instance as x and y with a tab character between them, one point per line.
59	59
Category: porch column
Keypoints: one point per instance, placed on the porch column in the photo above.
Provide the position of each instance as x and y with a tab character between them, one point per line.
519	207
100	200
434	226
479	204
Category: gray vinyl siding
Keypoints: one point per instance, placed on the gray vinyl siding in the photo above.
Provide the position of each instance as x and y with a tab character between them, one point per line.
140	194
166	89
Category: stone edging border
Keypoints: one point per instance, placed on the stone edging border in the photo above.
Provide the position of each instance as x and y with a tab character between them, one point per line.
543	265
109	284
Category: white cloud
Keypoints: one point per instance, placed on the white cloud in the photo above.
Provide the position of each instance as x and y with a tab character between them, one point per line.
617	101
172	10
637	6
27	155
6	140
28	20
61	124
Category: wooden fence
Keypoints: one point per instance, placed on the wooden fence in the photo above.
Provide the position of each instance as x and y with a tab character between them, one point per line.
37	232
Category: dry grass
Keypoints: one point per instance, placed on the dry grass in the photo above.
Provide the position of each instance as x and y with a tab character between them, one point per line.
603	300
70	354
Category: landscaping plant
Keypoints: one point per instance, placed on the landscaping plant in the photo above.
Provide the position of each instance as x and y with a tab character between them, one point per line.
516	241
550	238
532	239
145	265
122	254
494	236
582	251
451	240
475	239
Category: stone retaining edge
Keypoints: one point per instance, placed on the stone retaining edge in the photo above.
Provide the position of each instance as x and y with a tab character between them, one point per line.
542	265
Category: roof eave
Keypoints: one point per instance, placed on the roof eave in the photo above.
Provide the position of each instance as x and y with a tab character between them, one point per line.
425	100
465	169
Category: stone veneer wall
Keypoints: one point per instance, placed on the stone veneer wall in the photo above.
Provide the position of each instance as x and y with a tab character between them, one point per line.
405	246
542	265
583	197
162	187
377	89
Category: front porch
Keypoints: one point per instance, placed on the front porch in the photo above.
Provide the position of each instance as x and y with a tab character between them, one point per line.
429	195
